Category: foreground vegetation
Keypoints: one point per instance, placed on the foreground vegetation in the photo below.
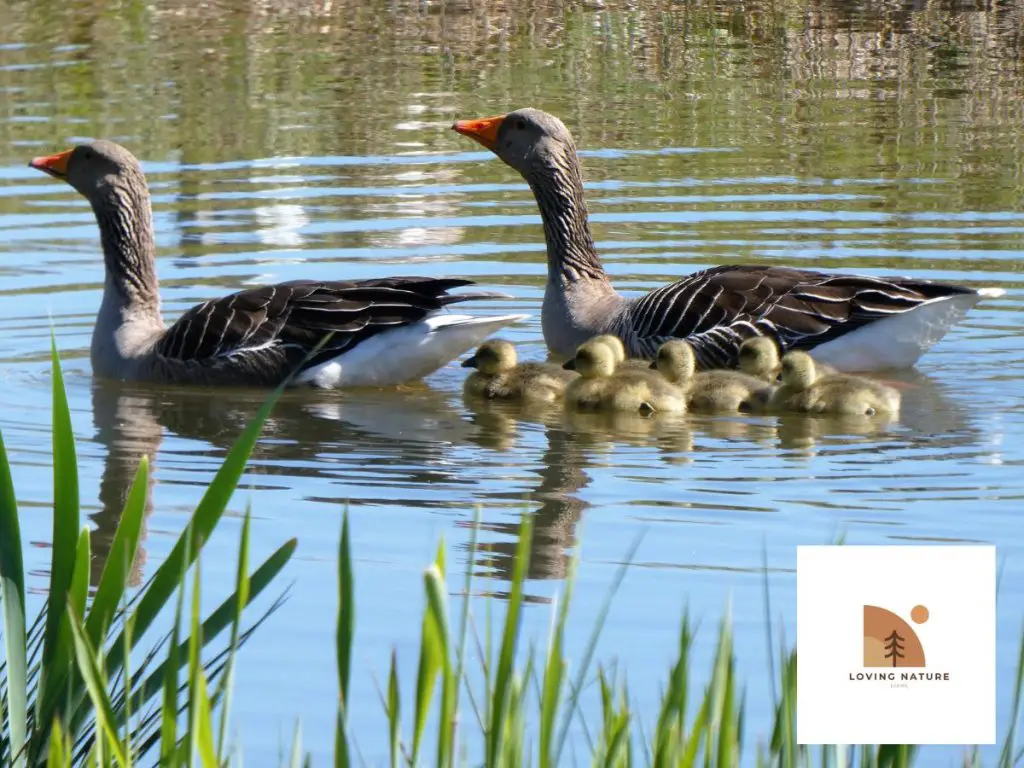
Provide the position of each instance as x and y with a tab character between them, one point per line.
78	686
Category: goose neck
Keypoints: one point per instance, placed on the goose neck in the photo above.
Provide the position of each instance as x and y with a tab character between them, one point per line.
558	188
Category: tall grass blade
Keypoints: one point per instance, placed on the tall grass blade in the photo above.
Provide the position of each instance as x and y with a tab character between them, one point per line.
394	711
95	683
241	599
503	674
59	753
588	653
114	577
57	656
169	710
344	638
12	596
430	661
555	668
1010	744
437	606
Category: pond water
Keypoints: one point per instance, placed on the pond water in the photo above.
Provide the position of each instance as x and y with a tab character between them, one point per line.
297	140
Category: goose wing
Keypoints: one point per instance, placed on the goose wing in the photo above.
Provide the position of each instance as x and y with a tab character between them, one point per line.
281	324
717	308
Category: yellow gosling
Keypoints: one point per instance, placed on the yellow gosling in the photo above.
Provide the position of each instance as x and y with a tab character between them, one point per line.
498	377
804	390
712	391
601	388
622	363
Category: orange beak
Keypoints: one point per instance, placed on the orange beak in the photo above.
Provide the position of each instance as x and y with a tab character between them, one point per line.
55	165
484	130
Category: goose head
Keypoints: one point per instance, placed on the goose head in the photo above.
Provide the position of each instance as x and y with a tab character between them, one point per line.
759	357
101	171
492	357
675	361
798	370
528	140
593	360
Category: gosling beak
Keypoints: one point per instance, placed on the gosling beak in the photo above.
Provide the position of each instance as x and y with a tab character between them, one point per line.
55	165
483	131
469	362
570	365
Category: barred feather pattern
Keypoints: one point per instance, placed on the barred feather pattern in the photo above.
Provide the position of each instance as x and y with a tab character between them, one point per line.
260	335
558	187
716	309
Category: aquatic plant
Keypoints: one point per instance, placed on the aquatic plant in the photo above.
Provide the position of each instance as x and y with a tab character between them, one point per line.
68	692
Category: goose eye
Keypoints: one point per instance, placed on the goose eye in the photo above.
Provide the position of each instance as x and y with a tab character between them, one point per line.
520	124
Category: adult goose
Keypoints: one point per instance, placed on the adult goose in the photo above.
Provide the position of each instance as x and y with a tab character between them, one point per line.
851	322
385	331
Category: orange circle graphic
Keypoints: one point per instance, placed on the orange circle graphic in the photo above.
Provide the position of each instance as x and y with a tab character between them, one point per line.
919	614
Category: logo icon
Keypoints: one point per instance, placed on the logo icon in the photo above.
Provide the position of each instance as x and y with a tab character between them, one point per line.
889	641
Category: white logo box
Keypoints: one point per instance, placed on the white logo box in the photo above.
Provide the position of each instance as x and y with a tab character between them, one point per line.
944	596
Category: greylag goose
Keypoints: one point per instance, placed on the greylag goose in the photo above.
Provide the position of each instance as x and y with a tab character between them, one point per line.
711	391
852	322
803	390
385	331
499	377
601	388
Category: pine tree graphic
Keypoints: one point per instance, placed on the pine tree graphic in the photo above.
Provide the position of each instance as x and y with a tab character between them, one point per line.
894	646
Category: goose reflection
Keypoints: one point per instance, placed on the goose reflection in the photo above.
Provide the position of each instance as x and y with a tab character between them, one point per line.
404	436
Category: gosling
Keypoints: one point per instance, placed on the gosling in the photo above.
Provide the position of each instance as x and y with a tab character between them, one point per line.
714	391
804	390
621	361
498	377
759	357
600	388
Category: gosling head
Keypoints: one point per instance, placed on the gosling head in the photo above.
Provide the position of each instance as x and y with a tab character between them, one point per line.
593	360
492	357
675	361
798	370
759	357
617	347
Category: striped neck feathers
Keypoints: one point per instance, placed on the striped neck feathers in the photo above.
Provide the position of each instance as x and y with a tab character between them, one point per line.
125	219
557	184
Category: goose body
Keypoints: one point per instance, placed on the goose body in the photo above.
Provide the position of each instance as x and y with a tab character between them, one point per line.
803	390
709	391
498	376
382	331
851	322
601	388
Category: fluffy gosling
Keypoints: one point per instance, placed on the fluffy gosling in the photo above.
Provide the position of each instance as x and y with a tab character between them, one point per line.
600	388
622	363
759	357
498	377
715	391
804	390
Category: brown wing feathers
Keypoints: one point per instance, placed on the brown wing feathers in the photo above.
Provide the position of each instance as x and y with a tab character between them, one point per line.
295	316
718	308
